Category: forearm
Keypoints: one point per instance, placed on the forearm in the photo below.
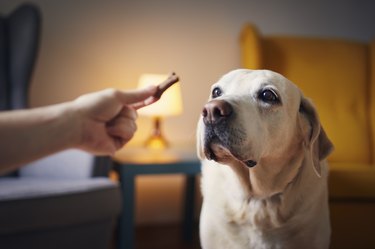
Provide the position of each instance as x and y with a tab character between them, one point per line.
26	135
99	123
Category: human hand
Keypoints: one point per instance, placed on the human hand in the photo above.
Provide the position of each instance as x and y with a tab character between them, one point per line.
106	119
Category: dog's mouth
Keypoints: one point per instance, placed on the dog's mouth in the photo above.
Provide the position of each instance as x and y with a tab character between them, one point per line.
219	149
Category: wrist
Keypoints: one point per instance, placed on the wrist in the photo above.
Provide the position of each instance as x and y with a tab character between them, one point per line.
70	125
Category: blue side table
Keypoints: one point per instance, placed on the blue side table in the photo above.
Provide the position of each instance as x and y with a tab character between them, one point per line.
131	162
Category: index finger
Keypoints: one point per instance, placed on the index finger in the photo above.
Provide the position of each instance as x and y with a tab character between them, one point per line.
146	102
161	88
135	96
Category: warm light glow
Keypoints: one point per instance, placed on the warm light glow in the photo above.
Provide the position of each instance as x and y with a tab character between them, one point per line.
156	143
170	103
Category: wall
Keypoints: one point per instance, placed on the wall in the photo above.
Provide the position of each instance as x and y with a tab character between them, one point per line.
90	45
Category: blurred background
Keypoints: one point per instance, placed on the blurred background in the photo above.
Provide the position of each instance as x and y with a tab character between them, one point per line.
92	45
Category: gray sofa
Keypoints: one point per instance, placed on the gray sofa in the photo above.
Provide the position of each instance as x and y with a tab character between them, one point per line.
62	201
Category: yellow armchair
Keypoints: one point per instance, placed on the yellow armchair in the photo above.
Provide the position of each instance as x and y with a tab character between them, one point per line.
339	76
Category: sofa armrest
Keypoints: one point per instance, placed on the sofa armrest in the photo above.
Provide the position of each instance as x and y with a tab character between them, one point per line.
351	181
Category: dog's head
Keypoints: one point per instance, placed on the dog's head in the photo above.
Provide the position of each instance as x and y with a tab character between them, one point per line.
257	116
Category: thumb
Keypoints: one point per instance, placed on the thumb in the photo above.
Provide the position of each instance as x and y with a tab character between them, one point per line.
134	96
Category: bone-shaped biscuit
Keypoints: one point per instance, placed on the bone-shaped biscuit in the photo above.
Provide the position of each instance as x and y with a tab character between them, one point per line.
162	87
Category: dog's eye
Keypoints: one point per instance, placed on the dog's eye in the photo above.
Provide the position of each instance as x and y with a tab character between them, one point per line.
216	92
269	96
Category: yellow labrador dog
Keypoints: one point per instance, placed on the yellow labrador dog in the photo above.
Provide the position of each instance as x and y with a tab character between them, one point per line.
264	177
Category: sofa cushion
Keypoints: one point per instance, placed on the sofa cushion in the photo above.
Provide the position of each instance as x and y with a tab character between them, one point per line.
30	204
351	181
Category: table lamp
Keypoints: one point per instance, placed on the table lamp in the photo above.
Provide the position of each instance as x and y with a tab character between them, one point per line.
170	104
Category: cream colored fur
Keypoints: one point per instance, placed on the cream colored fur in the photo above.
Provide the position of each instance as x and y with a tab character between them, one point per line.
282	201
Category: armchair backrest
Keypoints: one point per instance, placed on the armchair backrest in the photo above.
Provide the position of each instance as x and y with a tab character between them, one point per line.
19	42
336	74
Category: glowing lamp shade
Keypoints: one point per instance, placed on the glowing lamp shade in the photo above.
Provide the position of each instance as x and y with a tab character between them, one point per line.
170	104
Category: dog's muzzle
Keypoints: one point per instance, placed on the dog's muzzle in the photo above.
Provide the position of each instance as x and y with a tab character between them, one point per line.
217	117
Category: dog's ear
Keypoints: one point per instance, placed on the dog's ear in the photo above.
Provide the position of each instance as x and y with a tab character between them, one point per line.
316	140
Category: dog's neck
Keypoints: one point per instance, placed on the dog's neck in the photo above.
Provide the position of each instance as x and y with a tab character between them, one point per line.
271	175
275	200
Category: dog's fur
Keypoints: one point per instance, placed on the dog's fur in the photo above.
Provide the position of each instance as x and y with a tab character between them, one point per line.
264	177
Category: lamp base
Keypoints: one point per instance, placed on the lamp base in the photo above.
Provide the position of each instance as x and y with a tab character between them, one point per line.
156	139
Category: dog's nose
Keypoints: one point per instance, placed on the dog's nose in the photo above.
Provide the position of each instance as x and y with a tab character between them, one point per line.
215	111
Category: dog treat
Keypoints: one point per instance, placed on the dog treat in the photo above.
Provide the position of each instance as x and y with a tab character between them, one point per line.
162	87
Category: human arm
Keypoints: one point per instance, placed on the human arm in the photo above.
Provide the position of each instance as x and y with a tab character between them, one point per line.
100	123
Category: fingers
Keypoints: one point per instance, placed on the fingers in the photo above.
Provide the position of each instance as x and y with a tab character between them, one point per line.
146	102
123	126
115	111
162	87
139	95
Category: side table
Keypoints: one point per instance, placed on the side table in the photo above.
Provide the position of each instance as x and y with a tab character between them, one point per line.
131	162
